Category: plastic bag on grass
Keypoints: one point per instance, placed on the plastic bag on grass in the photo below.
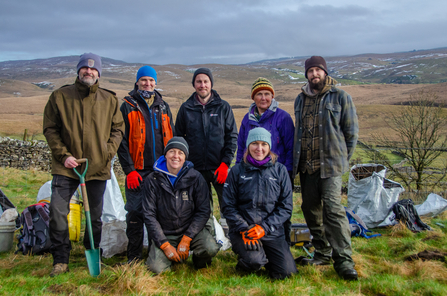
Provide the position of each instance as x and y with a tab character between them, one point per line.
220	236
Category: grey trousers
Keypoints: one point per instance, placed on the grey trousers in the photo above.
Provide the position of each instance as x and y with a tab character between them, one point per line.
204	247
326	219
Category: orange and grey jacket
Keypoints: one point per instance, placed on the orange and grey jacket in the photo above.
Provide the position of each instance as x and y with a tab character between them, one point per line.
148	129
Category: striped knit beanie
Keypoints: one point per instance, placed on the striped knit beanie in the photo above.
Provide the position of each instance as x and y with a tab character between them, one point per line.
262	84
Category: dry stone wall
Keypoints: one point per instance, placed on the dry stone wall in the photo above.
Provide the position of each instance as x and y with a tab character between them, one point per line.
25	155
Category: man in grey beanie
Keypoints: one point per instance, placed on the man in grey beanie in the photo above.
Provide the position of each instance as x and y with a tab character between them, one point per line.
176	209
80	120
207	124
325	138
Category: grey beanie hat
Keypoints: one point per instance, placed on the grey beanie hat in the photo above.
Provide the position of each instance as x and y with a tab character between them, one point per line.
259	134
205	71
90	60
179	143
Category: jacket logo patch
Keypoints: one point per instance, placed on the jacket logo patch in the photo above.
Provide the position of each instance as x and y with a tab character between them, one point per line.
274	179
214	115
246	178
185	195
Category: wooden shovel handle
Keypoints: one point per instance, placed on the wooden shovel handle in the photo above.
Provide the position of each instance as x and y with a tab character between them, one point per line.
81	160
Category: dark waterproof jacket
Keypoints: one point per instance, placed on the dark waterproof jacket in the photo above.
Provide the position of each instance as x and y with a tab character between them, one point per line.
148	129
280	125
210	131
83	122
260	196
174	210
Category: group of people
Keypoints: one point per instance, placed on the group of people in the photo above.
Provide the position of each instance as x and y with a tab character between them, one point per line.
170	168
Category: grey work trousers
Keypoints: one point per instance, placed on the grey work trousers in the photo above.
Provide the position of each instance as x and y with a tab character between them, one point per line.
204	247
326	218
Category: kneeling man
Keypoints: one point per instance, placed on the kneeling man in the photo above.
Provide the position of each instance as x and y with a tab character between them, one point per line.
176	208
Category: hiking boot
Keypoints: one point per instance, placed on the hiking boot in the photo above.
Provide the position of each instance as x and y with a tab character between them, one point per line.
58	269
349	274
307	261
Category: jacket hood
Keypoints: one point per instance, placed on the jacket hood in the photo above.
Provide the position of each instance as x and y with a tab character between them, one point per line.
161	166
270	111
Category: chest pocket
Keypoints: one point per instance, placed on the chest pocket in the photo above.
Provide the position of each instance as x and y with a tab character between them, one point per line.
334	113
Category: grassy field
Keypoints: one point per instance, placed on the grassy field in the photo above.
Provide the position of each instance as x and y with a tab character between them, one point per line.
380	262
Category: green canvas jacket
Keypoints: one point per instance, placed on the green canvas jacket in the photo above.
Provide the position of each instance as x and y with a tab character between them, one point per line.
84	122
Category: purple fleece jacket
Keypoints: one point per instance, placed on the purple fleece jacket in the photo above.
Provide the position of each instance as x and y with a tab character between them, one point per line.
279	123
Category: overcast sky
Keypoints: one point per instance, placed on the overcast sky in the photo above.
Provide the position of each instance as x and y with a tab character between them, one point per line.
225	31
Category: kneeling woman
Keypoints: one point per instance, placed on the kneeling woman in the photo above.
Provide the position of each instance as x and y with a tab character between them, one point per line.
176	208
257	201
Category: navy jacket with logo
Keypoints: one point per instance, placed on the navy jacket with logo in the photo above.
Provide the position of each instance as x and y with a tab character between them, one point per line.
210	131
182	208
258	195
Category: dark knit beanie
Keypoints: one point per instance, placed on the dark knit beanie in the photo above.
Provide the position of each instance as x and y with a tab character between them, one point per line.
315	61
147	71
261	84
205	71
90	60
179	143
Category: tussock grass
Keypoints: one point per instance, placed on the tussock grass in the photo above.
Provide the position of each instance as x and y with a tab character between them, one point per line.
380	263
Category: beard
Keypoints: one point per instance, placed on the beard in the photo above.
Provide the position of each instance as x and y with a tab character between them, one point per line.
319	85
88	80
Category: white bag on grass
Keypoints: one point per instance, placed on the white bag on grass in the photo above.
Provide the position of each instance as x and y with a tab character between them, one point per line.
220	236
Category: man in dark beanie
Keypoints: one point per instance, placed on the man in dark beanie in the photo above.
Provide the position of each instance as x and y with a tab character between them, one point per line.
207	124
80	120
176	208
149	126
325	138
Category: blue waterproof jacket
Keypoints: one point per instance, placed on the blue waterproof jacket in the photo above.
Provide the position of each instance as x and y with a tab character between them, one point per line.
258	195
279	123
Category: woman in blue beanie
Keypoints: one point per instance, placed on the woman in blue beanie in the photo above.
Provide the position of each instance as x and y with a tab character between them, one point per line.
257	201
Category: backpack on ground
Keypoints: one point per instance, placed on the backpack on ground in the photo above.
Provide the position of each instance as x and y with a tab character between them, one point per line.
357	226
406	213
35	234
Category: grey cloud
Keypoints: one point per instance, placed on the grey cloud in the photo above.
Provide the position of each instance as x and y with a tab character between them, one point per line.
191	32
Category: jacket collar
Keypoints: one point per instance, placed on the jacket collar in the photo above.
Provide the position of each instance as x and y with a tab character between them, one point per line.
85	90
269	112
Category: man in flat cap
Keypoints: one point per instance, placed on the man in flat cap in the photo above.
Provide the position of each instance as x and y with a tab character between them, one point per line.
81	120
325	138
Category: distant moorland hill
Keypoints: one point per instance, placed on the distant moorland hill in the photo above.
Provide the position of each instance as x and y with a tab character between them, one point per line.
375	81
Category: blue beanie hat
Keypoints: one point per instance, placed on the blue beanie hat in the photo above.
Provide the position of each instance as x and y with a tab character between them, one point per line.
147	71
259	134
90	60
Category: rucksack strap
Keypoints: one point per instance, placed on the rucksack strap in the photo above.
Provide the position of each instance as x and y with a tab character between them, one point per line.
42	212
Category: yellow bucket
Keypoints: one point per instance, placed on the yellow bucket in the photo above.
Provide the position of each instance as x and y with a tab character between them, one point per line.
74	219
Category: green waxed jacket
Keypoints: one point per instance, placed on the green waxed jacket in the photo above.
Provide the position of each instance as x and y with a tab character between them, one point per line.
84	122
339	130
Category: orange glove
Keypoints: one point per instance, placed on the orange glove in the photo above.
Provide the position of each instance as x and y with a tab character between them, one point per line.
132	180
222	173
170	252
255	232
251	244
183	247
